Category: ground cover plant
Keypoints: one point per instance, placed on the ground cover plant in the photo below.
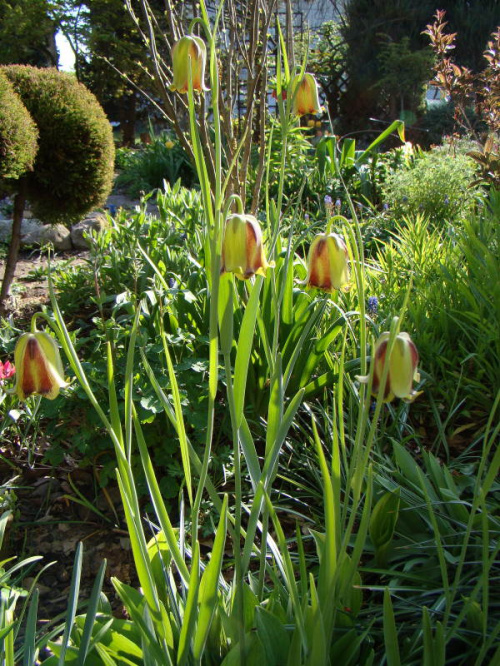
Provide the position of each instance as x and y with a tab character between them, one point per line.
304	436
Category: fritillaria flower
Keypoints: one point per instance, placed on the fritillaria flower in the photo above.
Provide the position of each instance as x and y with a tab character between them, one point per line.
328	263
402	372
189	51
39	366
305	95
242	247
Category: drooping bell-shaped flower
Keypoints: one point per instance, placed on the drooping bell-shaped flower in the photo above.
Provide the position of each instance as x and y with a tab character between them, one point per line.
242	248
39	366
189	51
327	263
304	90
402	371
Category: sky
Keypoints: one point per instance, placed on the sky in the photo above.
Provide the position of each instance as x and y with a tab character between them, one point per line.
66	56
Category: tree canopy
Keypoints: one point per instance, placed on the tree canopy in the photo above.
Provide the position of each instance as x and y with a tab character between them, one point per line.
27	31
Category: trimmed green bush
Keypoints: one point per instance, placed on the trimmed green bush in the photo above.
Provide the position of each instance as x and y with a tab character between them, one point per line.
73	170
18	134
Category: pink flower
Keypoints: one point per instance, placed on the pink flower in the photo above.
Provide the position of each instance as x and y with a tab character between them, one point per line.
6	370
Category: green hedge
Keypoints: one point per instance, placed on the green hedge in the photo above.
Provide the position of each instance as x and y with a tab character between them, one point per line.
73	171
18	134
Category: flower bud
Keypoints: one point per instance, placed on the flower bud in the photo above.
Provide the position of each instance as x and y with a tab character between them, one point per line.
305	95
402	367
242	248
39	366
327	263
189	51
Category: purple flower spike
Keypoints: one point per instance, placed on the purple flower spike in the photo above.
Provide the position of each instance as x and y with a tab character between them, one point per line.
372	305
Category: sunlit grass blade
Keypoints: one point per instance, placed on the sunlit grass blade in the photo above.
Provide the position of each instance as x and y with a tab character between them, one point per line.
245	344
139	546
90	615
209	586
158	503
190	610
180	427
287	569
328	565
74	592
138	614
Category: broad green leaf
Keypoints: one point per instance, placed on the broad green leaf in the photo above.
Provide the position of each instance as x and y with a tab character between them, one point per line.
383	523
273	636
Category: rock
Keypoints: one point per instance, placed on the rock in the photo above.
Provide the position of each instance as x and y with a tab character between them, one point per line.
57	235
27	227
95	222
33	232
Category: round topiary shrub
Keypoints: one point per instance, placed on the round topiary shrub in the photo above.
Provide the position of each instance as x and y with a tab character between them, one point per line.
18	134
73	170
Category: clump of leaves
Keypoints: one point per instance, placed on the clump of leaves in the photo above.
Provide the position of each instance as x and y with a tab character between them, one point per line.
161	160
437	184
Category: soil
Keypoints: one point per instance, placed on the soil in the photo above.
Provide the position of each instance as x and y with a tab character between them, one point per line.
29	289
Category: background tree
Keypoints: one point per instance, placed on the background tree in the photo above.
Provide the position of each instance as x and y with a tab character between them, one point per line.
381	35
327	60
244	68
111	58
73	169
27	33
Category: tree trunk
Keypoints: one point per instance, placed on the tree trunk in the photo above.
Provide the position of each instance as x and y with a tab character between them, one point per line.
15	243
128	118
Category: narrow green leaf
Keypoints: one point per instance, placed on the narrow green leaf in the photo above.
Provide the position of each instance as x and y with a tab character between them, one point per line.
209	585
286	566
190	609
181	431
245	344
226	297
328	566
383	524
275	409
74	591
30	635
139	546
137	615
390	632
397	125
250	453
90	614
158	503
